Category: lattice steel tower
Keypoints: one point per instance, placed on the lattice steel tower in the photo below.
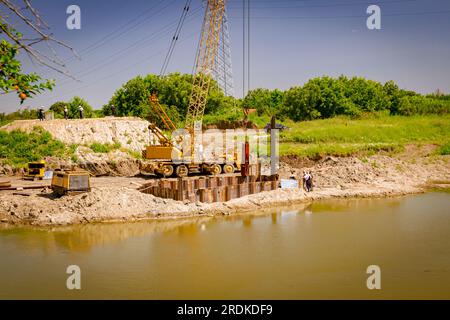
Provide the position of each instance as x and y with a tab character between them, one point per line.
205	62
223	71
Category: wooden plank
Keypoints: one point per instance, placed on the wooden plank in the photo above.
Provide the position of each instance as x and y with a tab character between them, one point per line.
25	188
5	184
25	194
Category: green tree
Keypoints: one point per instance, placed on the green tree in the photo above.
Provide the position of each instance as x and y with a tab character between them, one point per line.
58	108
258	99
130	100
405	107
173	91
17	19
393	94
300	103
12	79
266	102
73	105
366	95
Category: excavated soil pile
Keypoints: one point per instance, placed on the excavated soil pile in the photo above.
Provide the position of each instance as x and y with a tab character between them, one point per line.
131	133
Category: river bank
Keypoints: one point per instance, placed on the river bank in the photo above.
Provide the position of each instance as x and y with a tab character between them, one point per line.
117	198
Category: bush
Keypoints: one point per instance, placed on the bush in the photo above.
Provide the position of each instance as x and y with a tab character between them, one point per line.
444	149
25	114
18	148
73	105
104	147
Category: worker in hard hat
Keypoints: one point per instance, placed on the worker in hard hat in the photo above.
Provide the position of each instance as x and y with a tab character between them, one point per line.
81	111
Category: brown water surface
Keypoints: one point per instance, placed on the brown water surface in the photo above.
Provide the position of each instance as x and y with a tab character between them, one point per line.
321	251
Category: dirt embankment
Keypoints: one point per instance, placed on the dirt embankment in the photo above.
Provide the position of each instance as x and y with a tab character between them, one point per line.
132	134
115	199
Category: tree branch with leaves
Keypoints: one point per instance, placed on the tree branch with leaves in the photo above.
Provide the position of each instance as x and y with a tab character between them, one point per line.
12	78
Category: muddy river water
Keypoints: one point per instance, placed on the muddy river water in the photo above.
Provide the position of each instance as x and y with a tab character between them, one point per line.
321	250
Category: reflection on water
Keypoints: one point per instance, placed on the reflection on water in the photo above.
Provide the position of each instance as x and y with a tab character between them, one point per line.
318	250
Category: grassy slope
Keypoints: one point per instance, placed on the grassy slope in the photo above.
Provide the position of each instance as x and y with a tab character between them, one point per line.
4	122
18	148
342	136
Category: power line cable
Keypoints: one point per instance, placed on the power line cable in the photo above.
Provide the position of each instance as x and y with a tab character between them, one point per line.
248	45
120	71
244	45
107	60
346	17
105	39
175	38
122	30
322	5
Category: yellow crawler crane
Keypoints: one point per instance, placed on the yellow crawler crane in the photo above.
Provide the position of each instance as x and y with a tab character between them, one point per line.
164	153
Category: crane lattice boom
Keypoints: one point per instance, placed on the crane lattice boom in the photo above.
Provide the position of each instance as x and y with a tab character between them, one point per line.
209	41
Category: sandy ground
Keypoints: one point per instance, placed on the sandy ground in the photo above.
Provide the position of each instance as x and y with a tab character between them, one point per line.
117	198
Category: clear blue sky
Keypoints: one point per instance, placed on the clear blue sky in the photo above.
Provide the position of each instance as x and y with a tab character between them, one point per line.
291	42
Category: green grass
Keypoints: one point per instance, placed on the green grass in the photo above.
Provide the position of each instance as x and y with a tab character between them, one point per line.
17	148
318	150
260	121
135	154
72	150
104	147
343	136
444	149
4	122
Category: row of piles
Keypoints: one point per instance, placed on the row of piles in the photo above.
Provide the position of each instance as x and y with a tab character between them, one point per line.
210	189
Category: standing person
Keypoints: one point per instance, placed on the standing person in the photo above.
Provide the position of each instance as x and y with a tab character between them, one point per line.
311	178
66	113
307	180
81	111
304	180
113	110
41	114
